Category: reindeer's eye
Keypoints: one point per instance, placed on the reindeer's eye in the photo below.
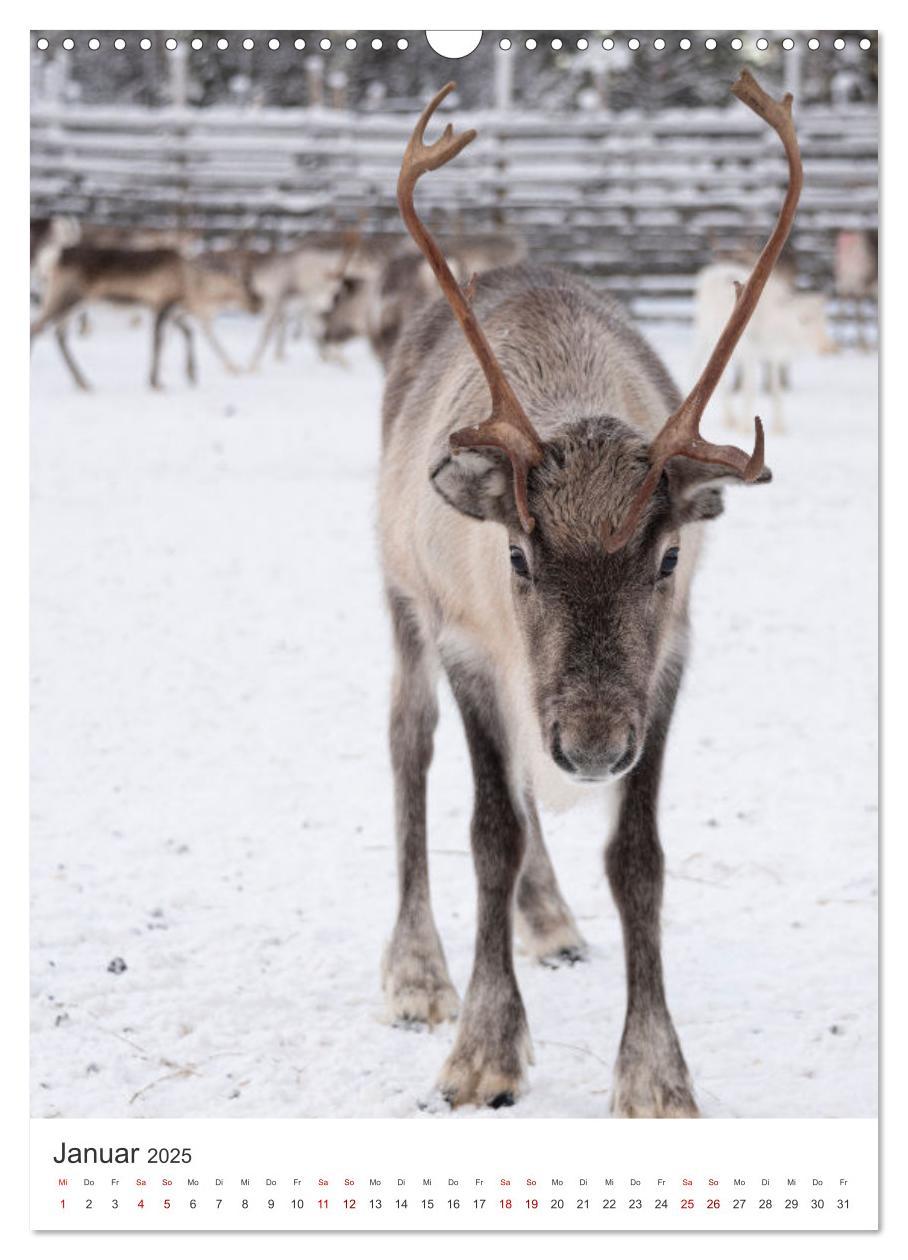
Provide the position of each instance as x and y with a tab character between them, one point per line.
519	562
669	560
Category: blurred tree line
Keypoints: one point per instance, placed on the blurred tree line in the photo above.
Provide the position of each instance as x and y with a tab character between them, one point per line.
366	78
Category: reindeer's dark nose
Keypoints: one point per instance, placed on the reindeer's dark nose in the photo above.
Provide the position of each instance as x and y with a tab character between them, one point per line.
558	753
611	751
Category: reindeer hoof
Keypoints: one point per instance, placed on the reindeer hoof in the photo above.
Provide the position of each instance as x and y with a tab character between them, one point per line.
556	944
659	1104
566	957
642	1093
418	990
463	1084
487	1066
412	1008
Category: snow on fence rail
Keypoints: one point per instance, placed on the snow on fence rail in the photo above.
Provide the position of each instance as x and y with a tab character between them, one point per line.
623	196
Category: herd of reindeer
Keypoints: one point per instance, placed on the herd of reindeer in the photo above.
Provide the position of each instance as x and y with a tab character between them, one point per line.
334	285
343	284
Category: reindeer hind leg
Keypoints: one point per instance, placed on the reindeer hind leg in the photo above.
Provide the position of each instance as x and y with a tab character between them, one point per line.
543	920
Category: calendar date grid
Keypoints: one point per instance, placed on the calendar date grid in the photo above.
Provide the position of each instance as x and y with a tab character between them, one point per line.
527	1196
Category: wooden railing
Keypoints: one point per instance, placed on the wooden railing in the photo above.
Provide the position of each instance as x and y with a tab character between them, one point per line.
641	200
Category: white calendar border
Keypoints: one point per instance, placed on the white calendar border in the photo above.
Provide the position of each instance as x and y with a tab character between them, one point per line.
14	526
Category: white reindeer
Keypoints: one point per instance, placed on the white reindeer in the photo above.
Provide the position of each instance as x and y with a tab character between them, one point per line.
784	325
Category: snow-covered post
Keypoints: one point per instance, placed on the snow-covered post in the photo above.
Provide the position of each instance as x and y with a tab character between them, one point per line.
504	78
791	62
600	75
178	92
498	164
337	88
178	66
55	78
37	83
315	82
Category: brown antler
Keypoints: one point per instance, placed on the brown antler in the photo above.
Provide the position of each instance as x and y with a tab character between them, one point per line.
507	427
681	433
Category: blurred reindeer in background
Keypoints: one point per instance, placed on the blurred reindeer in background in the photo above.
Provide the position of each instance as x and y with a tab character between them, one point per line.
304	281
856	276
162	280
785	324
186	241
351	311
388	281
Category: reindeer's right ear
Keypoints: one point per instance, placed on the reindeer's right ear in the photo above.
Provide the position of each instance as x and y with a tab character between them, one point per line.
478	484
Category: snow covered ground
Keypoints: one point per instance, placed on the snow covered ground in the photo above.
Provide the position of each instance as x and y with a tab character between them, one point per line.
212	797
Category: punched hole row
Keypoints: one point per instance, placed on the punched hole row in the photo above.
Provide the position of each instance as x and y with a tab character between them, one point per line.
556	44
171	44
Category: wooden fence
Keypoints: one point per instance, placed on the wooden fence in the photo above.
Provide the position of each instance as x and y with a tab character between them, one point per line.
639	200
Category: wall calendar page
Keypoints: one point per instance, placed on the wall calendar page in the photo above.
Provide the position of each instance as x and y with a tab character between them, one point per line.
454	763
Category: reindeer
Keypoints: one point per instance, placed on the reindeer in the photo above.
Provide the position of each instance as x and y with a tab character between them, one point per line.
162	280
383	287
357	281
375	303
785	323
185	241
308	276
545	566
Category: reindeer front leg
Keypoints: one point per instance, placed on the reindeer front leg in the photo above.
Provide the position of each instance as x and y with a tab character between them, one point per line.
157	341
185	329
60	332
492	1049
207	328
415	977
651	1077
274	313
58	307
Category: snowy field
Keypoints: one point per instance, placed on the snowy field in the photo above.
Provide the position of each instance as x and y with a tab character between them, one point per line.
211	793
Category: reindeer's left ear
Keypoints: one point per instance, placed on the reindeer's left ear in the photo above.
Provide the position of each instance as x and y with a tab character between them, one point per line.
478	484
696	488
